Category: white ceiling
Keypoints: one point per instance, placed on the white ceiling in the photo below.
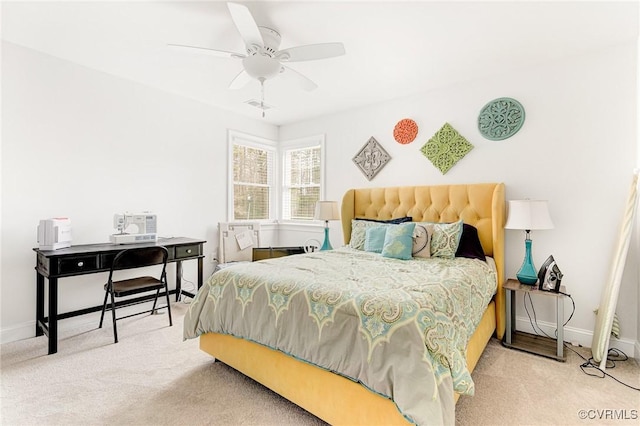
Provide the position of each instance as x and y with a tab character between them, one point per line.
394	49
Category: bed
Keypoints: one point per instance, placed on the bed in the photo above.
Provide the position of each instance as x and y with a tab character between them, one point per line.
350	371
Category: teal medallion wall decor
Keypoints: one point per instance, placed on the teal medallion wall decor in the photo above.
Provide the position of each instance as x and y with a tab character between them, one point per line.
500	119
446	148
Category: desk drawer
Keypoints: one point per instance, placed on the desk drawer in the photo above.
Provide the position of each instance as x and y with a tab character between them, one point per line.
75	265
192	250
106	259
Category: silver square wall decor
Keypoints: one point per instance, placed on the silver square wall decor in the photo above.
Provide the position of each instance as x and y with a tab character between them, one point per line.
371	158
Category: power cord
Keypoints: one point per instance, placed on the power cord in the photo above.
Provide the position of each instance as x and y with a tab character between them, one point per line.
527	296
190	288
613	354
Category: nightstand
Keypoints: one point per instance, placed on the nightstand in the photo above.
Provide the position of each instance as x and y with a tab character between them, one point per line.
539	345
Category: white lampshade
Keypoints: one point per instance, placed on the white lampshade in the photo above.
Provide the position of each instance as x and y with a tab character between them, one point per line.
327	210
528	215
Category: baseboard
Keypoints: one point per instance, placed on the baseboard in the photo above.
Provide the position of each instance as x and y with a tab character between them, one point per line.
578	336
17	332
27	330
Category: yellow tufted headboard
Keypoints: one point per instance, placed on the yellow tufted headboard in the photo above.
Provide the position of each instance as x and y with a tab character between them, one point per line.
481	205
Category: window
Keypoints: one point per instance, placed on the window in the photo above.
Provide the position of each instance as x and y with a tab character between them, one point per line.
257	192
251	160
302	163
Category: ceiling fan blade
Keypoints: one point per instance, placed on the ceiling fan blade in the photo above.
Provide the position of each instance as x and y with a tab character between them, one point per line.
245	24
206	50
240	80
311	52
293	75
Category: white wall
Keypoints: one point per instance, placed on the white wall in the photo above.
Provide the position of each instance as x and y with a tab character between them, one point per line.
84	144
577	149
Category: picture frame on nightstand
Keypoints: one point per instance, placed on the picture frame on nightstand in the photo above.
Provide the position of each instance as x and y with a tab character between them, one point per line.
549	276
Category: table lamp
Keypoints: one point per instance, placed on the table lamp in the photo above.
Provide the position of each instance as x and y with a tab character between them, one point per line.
528	215
327	210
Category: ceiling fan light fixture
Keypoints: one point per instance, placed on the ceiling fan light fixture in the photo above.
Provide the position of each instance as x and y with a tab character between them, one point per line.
264	59
259	66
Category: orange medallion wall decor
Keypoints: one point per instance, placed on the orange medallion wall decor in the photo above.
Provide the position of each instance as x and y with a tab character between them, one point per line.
405	131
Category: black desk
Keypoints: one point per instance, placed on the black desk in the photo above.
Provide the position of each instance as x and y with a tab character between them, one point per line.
92	258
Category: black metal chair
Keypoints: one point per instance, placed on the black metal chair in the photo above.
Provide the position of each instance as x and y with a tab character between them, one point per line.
132	258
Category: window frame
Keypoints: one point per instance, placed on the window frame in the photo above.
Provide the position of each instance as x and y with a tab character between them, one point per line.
244	139
296	144
278	150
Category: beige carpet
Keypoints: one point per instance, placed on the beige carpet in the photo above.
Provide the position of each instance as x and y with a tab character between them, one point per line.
152	377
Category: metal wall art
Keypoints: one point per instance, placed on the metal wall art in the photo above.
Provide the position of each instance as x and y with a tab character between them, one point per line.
405	131
446	148
371	158
500	119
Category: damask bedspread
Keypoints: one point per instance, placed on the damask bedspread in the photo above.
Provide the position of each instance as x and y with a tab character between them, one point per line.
399	327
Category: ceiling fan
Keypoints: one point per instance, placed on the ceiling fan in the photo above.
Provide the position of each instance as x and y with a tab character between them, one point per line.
263	60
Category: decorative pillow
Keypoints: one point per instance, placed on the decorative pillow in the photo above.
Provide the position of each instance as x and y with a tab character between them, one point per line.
422	240
445	239
359	227
398	241
470	245
374	238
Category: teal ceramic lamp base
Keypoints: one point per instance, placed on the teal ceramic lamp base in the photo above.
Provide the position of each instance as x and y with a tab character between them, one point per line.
527	273
327	244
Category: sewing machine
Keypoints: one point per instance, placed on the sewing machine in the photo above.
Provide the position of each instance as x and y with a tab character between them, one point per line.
134	228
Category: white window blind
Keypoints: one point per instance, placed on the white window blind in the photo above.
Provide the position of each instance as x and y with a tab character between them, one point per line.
253	170
301	182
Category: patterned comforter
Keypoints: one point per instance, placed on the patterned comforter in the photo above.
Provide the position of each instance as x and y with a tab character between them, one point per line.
400	327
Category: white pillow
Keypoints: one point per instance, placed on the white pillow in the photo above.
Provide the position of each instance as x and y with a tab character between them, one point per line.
422	240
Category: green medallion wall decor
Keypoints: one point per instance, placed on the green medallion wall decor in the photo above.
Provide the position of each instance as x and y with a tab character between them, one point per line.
371	158
500	119
446	148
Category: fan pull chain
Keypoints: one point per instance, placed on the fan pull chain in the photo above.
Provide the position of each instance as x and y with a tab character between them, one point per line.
262	96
